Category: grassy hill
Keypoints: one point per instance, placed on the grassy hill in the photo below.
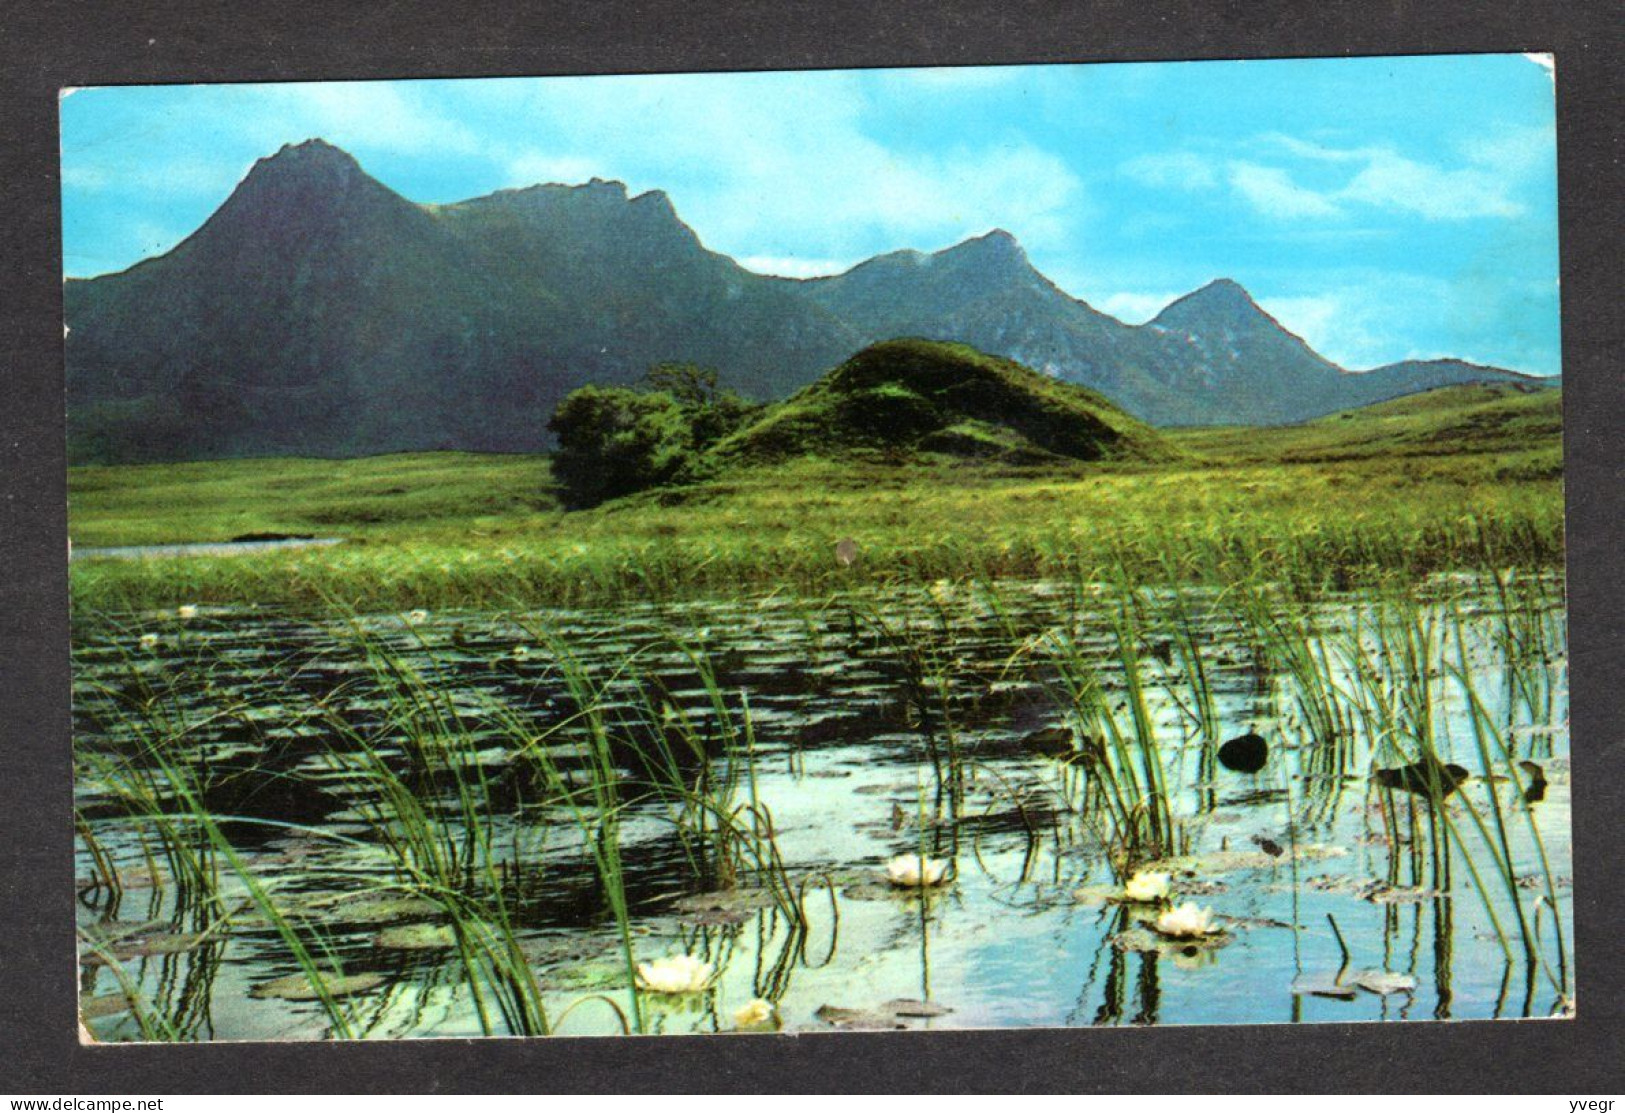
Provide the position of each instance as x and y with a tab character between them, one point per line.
904	400
1462	477
1506	418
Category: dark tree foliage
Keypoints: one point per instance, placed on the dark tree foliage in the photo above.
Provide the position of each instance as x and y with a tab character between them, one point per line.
613	441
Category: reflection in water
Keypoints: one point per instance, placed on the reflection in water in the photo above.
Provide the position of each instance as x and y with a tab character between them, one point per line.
555	807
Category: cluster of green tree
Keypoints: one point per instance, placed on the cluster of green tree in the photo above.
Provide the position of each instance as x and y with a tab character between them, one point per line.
613	441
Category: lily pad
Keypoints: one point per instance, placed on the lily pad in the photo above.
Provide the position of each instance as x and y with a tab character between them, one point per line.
891	1014
381	909
298	987
1382	983
608	974
1311	985
1096	895
1332	883
557	950
416	937
1147	941
145	946
725	907
108	1004
1247	923
1237	861
1399	894
880	890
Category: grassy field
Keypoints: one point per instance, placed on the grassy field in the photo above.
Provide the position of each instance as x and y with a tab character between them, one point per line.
1461	477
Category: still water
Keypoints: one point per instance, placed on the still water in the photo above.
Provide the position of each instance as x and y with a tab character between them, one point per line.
844	710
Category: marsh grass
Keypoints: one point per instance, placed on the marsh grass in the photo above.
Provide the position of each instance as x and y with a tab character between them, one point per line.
448	530
1365	679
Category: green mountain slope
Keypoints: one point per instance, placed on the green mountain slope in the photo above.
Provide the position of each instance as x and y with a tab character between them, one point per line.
1506	418
911	398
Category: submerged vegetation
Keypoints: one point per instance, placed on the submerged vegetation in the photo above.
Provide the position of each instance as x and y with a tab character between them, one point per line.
570	821
1203	725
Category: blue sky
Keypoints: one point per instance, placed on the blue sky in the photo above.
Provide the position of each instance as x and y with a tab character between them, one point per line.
1383	208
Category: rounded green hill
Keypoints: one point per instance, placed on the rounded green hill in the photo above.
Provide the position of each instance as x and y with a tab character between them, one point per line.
909	398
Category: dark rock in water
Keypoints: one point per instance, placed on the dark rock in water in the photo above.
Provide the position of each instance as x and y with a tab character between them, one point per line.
1246	754
1534	790
1053	742
1427	777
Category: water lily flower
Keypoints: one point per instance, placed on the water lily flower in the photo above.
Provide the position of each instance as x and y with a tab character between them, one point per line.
753	1013
415	617
149	641
1187	921
186	610
521	652
914	872
675	974
1148	887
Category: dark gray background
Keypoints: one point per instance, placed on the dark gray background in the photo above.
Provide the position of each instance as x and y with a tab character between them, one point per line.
47	45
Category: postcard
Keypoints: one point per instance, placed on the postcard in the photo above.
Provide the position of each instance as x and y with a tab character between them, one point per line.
899	549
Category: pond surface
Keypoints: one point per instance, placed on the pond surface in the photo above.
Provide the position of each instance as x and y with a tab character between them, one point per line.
199	548
844	733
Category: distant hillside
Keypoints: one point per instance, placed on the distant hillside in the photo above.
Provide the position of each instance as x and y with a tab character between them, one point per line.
905	399
317	312
1505	418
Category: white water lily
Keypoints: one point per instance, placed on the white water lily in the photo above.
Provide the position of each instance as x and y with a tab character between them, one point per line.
753	1013
1186	921
675	974
415	617
1148	887
186	610
149	641
914	872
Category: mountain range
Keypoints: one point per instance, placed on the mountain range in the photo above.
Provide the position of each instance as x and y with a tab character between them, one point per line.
317	312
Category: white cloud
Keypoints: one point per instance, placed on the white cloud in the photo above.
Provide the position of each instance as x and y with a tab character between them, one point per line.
375	116
1484	184
1136	308
534	168
1174	170
781	165
795	266
1392	181
179	176
1327	324
1357	319
1273	192
1517	152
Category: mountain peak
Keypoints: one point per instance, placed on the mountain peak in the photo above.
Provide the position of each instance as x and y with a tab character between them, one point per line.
996	247
304	173
313	155
1223	301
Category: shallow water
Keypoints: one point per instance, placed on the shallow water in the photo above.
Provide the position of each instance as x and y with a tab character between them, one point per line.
846	701
199	548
